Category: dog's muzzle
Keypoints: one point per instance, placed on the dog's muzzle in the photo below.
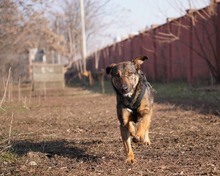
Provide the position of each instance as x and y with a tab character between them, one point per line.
124	89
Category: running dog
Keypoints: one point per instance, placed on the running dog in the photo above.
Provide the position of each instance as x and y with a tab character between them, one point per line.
134	102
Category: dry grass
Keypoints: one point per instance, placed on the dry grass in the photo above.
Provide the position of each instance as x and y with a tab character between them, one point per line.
75	132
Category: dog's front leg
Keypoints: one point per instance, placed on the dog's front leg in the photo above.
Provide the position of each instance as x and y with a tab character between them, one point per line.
127	129
143	126
126	139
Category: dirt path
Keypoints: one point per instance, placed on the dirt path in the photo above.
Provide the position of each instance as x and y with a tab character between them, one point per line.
75	132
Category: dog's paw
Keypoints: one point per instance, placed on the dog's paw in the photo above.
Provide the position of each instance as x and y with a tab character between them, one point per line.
130	160
138	139
135	139
147	142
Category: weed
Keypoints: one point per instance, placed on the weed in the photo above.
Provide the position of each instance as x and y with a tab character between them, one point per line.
185	91
10	108
8	157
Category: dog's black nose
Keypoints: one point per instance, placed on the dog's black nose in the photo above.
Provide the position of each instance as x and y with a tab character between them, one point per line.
124	88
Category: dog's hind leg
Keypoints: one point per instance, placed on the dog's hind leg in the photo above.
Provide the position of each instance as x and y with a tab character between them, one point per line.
126	139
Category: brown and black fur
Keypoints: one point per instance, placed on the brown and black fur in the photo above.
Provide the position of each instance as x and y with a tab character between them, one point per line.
134	102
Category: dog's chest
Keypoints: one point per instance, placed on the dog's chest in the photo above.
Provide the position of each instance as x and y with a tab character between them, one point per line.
134	116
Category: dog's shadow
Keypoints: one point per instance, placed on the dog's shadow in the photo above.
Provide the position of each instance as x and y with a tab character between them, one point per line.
76	150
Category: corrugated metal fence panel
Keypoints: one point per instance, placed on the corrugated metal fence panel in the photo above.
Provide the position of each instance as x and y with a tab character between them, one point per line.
174	49
147	44
136	47
182	32
113	54
118	51
48	76
204	35
161	52
101	59
127	51
90	62
107	58
176	61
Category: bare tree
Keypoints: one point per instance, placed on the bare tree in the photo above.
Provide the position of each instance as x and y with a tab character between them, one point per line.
203	25
208	21
71	25
26	24
205	21
9	31
23	26
70	20
9	20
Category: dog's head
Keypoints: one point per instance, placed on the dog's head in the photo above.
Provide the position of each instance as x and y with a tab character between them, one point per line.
125	75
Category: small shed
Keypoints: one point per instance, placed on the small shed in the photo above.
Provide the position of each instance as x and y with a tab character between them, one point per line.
48	76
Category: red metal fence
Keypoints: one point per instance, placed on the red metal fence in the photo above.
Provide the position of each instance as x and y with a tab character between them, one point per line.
183	49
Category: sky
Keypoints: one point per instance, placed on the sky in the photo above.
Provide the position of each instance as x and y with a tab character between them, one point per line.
136	15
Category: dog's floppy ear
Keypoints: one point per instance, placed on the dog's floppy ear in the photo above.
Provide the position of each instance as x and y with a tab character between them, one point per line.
109	68
139	60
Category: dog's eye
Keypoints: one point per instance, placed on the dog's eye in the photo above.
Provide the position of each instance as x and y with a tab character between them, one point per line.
130	73
117	75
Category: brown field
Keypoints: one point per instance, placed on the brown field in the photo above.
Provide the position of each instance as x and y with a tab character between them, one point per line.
76	132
